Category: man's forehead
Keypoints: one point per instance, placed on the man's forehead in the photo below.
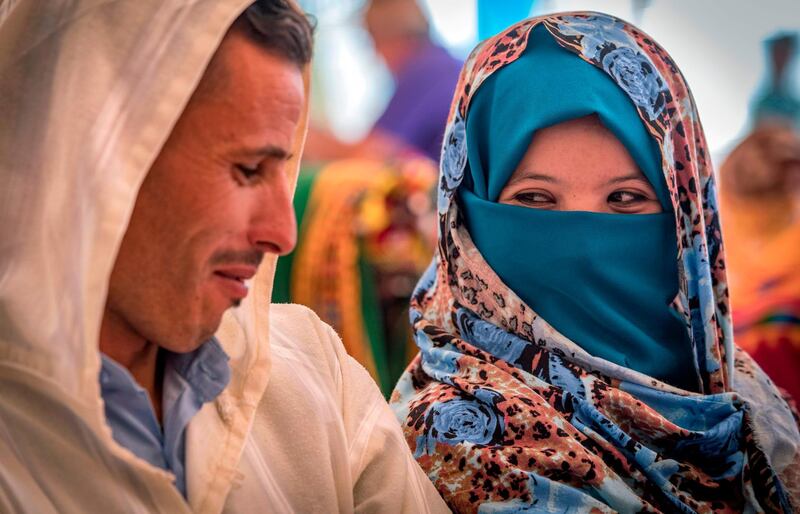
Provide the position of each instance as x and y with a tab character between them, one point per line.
239	59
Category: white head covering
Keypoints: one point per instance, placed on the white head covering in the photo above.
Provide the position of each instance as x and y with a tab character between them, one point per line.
89	92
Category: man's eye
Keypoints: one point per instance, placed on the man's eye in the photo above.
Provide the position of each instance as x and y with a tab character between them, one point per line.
246	171
626	197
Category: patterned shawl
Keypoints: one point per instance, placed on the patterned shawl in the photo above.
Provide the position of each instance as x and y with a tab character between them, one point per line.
507	415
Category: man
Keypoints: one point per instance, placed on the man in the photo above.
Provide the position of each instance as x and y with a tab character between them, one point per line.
148	150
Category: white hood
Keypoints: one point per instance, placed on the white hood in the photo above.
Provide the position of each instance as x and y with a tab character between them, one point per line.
89	92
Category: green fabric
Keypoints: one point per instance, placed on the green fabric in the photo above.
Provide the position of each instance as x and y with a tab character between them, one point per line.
374	325
282	285
370	303
604	281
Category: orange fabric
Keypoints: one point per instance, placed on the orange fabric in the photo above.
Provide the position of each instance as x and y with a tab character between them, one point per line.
763	252
760	211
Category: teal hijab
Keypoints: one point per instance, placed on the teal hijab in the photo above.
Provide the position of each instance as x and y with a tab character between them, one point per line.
605	281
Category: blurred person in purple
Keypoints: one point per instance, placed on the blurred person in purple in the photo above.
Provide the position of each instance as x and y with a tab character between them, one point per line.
425	75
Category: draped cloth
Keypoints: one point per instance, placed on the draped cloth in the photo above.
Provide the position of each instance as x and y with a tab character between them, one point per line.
505	414
89	93
86	109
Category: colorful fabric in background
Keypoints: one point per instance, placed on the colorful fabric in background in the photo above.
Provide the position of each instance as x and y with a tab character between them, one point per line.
360	248
507	415
761	219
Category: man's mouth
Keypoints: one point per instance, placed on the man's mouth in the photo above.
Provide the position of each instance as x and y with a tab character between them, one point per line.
233	279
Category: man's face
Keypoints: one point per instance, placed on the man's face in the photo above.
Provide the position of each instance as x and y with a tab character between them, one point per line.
215	200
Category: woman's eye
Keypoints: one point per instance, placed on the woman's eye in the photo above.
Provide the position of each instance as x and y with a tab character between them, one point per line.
534	199
246	171
626	197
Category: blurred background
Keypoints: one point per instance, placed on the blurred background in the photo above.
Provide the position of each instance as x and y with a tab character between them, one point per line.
719	47
383	76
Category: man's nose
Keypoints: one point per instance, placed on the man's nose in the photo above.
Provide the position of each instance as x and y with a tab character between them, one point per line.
274	228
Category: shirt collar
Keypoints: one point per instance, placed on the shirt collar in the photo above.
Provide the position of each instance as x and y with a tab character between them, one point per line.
206	369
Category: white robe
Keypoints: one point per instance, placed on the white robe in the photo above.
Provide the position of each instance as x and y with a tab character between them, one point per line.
89	91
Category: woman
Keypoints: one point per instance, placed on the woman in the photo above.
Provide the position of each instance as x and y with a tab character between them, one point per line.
583	360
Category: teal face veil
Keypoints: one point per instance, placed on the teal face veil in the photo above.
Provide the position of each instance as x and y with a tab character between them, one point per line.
605	281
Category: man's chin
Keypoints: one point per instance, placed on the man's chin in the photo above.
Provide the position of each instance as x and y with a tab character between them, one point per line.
209	326
196	337
202	330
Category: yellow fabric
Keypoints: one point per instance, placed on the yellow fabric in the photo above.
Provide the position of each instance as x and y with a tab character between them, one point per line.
348	205
325	275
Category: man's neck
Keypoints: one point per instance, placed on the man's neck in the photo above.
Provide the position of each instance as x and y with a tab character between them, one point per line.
139	356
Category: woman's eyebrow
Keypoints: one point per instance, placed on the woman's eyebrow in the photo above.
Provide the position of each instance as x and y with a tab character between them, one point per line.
533	176
632	176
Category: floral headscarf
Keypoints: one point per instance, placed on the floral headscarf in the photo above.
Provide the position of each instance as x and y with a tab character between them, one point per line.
506	415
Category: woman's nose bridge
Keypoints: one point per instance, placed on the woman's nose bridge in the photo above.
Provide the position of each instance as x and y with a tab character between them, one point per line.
579	199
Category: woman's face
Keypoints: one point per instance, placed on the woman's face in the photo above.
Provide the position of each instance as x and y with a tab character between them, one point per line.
579	165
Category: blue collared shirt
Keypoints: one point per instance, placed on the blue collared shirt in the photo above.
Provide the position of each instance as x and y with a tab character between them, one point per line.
190	380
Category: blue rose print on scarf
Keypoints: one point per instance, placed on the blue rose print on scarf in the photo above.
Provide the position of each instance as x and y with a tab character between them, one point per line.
454	161
426	282
462	420
440	361
548	497
634	73
604	40
489	338
561	376
596	32
699	278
